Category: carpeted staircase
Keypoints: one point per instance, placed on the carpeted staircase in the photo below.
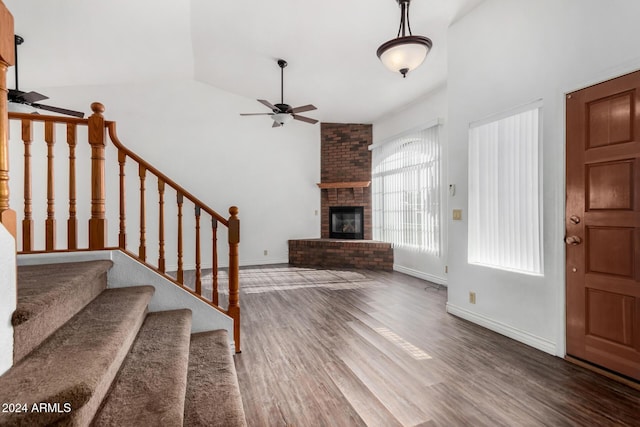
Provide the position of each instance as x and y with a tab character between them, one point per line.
88	355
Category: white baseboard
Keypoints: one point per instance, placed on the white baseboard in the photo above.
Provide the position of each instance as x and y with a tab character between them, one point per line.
62	257
420	274
243	263
249	262
524	337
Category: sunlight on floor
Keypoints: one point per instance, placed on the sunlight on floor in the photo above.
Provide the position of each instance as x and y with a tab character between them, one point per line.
406	346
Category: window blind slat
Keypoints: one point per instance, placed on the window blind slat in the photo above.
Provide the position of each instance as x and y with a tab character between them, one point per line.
406	193
504	193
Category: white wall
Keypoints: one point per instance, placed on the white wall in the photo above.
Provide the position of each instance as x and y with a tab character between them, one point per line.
195	135
425	110
504	54
74	43
7	297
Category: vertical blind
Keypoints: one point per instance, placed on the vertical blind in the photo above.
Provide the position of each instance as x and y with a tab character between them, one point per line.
504	192
406	191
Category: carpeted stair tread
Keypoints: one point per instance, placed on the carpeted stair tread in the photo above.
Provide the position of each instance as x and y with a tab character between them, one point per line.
77	364
213	394
150	387
49	295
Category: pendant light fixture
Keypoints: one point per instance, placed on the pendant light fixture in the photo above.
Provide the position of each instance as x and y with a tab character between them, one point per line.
405	52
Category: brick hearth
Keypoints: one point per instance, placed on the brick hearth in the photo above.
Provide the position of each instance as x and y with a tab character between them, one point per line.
336	253
345	181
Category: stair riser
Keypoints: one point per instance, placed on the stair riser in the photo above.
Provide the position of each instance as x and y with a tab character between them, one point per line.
33	332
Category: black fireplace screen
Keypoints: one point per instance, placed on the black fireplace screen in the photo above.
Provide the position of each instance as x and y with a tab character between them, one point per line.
346	222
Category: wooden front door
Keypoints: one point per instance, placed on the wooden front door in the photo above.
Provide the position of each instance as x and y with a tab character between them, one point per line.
603	225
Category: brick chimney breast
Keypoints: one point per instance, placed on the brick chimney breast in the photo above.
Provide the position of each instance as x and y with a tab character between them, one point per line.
345	158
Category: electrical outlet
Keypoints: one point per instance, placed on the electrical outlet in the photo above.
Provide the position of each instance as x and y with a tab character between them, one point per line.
266	252
457	214
472	297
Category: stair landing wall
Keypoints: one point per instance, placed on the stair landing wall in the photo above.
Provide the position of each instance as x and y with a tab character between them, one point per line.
8	297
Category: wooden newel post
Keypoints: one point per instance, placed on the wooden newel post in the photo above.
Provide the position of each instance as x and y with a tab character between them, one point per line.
97	222
7	56
234	286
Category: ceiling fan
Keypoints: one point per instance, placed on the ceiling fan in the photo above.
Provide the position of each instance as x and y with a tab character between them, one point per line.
283	113
31	98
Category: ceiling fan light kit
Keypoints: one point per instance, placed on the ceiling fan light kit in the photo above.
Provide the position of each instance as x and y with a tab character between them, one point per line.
283	113
282	118
406	52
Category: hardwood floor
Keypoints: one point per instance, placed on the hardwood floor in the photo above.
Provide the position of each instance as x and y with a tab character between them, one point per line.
355	348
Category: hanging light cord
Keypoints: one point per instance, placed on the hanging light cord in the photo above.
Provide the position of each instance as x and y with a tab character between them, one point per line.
404	18
281	85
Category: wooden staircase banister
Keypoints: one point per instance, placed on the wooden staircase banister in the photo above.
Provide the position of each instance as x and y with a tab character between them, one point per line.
7	59
111	128
47	118
99	133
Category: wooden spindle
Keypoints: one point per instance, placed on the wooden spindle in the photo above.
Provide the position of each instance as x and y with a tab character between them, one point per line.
214	262
7	57
50	222
97	222
234	269
161	260
27	222
142	249
122	234
72	222
198	273
180	274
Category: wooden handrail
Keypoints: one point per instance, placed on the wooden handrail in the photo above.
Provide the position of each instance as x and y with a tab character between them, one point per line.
98	131
44	118
111	128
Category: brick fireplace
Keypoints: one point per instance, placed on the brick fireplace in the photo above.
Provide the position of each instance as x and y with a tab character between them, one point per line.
345	163
345	171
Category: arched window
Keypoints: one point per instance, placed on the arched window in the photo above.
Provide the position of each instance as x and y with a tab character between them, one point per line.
406	191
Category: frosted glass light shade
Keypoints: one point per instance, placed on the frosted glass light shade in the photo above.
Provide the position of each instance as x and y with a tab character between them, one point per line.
20	108
404	54
282	118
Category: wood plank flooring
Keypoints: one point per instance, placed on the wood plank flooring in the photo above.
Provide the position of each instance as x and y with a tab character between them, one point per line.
356	348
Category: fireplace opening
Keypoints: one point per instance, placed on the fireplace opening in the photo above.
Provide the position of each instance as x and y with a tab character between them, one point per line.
346	222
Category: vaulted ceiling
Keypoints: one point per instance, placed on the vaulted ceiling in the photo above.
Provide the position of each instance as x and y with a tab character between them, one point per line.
330	46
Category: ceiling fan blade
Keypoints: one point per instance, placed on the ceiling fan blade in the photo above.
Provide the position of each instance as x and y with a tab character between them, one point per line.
58	110
305	119
256	114
268	104
303	109
275	124
32	97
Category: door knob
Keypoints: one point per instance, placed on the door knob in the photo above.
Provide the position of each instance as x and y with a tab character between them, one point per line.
573	240
574	219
